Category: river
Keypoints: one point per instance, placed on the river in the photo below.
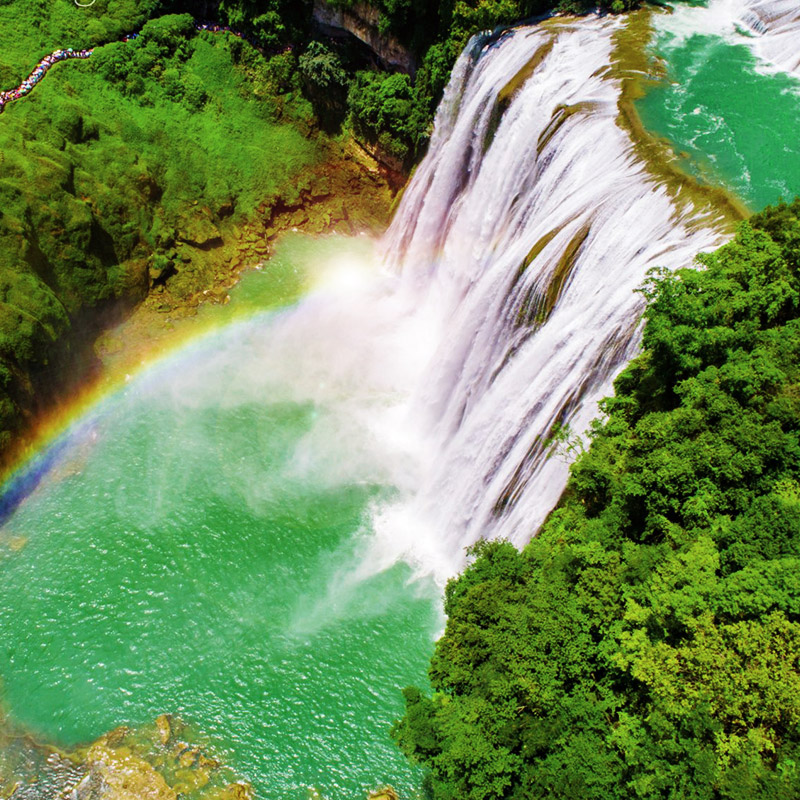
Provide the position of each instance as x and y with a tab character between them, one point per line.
254	533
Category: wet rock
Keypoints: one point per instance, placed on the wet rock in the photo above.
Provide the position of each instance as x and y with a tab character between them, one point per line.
298	218
118	774
188	757
233	791
362	20
386	793
321	187
164	728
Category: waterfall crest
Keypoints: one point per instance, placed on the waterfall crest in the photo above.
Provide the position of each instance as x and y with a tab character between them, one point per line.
770	28
777	24
527	229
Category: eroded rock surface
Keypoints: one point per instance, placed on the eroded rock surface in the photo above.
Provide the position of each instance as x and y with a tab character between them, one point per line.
161	761
361	20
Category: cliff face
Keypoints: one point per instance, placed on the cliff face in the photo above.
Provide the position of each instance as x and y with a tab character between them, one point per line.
361	21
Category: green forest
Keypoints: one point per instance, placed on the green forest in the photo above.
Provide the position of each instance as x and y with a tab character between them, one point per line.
646	643
112	163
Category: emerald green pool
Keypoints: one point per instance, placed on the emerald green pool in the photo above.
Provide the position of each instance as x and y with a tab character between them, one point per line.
200	545
201	542
731	121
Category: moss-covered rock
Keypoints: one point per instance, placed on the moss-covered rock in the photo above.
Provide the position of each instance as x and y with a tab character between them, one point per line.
163	760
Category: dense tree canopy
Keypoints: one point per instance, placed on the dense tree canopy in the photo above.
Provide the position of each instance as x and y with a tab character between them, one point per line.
102	167
436	33
647	643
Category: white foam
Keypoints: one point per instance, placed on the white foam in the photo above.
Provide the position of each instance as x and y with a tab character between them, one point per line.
770	28
488	191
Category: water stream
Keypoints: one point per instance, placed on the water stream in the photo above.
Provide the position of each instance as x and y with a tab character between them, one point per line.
254	533
528	226
731	95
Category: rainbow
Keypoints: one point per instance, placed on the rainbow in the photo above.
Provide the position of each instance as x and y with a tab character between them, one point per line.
51	434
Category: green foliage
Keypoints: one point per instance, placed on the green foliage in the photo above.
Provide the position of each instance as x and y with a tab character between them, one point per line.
326	83
385	108
323	68
272	23
102	165
647	643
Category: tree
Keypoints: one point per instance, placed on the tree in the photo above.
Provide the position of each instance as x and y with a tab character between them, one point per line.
647	643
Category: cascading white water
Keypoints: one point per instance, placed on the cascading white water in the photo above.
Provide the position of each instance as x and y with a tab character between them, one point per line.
527	229
777	23
507	307
770	28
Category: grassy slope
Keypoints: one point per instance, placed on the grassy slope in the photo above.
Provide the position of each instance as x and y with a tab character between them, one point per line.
103	165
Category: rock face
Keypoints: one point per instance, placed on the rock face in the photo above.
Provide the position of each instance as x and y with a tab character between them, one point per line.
116	775
361	21
198	229
387	793
164	760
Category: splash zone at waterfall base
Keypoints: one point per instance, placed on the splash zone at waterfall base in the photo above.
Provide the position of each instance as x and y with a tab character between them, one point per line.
228	569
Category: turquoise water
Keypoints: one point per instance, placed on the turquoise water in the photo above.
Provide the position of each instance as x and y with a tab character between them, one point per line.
732	123
201	542
200	545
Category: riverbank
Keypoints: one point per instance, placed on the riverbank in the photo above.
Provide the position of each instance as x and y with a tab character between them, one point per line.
349	194
150	175
163	760
634	66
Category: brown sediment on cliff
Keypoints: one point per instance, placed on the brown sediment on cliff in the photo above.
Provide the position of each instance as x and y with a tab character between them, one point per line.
346	193
637	69
362	21
349	194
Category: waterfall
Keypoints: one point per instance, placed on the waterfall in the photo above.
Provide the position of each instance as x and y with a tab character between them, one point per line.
770	28
777	24
525	231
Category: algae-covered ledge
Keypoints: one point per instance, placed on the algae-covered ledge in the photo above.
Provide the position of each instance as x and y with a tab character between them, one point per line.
153	171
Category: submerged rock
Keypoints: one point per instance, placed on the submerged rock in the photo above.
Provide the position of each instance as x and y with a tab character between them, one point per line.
164	728
163	760
234	791
118	774
386	793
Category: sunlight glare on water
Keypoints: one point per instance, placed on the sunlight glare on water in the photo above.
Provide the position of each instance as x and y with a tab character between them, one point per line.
198	548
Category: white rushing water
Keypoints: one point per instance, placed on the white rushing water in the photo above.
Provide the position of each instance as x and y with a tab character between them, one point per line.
777	25
525	232
770	28
507	307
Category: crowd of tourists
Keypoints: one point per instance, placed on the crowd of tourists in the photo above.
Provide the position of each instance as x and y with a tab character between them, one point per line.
62	55
39	72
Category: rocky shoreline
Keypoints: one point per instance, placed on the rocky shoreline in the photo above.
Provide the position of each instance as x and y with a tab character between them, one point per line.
349	194
163	760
